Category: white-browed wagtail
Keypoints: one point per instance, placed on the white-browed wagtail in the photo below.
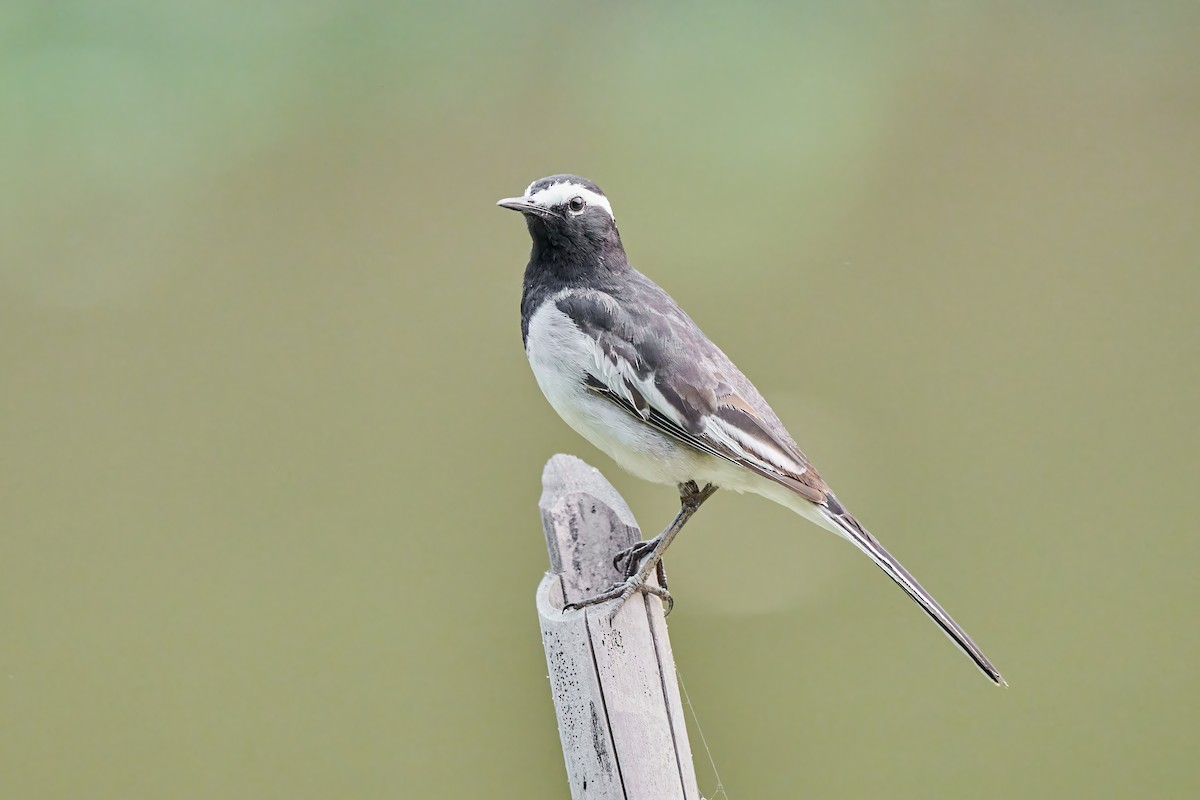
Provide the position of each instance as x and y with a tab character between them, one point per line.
625	367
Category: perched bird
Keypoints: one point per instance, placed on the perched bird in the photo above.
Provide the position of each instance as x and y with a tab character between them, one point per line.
625	367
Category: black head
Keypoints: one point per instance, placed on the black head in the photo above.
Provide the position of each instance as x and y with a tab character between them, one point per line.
567	216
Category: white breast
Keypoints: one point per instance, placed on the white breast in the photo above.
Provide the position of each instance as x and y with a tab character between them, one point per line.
561	357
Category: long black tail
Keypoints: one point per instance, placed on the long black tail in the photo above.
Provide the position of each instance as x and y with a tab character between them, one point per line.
861	538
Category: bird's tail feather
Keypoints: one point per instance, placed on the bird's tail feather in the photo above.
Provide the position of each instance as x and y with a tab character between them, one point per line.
850	528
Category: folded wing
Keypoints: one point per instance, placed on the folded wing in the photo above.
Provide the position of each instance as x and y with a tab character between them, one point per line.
653	361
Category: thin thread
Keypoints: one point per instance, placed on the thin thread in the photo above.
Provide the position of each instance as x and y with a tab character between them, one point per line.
688	699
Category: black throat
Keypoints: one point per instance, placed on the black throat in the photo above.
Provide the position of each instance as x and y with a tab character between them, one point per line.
578	256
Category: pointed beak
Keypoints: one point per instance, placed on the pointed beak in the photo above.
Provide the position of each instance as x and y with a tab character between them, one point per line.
515	203
524	205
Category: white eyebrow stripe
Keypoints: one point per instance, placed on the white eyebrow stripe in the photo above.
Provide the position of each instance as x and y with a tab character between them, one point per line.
560	193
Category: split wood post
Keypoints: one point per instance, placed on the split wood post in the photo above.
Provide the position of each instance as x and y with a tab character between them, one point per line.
619	715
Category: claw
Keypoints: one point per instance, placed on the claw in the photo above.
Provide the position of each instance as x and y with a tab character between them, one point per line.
661	572
665	596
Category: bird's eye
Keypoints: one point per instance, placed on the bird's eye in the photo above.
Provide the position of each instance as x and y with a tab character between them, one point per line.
575	204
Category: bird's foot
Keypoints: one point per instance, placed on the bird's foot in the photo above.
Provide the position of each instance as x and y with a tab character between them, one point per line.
642	558
629	560
632	562
620	592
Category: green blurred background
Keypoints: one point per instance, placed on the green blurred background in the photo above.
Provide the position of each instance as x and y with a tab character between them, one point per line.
271	450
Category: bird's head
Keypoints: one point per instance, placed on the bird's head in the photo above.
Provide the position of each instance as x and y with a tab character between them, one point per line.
566	214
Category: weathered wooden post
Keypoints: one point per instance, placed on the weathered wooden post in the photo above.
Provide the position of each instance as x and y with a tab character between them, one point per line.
619	715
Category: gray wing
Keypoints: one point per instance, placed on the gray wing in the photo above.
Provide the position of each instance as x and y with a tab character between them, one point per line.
653	361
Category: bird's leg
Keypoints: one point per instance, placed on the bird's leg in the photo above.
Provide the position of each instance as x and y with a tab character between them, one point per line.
630	559
646	557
